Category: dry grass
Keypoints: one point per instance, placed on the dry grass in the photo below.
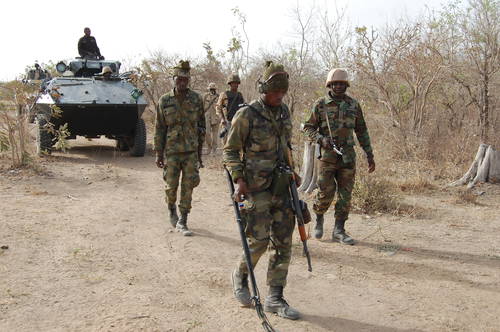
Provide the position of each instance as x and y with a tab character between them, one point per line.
465	196
416	185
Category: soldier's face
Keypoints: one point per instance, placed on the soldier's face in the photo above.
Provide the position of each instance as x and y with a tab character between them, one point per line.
338	88
234	86
274	98
86	32
181	83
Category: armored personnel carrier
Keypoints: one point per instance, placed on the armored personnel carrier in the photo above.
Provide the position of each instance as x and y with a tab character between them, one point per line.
92	105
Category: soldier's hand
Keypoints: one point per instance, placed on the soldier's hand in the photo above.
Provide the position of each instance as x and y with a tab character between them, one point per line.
241	190
159	162
371	165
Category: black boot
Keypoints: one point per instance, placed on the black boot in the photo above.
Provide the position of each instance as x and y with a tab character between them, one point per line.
339	233
182	225
276	303
240	288
318	229
173	217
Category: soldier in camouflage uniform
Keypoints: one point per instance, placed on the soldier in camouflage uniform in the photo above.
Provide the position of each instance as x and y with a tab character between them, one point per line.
251	154
229	102
336	117
211	118
179	136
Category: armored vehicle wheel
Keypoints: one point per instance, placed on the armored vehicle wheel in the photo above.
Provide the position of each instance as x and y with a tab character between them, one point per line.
44	139
121	144
139	144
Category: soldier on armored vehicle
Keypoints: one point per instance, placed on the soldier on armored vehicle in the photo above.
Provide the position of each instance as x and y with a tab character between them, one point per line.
94	100
87	46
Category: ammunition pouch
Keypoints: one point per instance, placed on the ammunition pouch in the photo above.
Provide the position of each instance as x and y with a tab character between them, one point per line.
281	182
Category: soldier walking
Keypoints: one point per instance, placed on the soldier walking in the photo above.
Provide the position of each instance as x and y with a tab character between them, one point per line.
228	103
211	118
252	155
179	136
333	120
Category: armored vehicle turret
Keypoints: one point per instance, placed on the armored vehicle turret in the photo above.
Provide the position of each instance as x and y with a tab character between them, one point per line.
94	100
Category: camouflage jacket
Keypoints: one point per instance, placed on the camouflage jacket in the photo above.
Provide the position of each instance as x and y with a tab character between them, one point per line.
210	101
251	151
225	107
346	117
179	127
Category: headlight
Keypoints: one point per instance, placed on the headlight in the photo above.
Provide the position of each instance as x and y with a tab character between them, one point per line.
61	67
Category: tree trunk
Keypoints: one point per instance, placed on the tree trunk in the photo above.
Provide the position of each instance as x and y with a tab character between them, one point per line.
484	168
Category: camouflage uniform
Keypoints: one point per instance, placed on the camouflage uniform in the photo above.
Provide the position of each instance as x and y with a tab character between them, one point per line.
212	120
180	129
267	217
336	173
228	103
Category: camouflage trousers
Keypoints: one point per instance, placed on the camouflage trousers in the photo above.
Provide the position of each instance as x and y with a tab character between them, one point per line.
175	164
269	223
335	178
212	137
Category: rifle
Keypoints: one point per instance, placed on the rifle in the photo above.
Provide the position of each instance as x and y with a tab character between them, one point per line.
255	291
298	206
330	139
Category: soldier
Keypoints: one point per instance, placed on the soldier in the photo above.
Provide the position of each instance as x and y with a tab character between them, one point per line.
228	103
335	118
211	118
87	45
252	154
179	135
106	73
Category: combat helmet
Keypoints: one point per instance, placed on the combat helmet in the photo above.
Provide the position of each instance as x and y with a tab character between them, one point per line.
211	86
337	74
274	78
233	78
182	69
106	69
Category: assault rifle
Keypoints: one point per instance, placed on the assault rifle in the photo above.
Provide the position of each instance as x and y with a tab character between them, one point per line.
299	209
246	250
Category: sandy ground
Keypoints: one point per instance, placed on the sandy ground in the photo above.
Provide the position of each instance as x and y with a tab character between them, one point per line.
90	249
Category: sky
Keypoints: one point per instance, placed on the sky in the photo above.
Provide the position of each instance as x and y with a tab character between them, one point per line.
130	30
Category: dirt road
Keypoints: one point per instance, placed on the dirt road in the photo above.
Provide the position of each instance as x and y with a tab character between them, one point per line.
90	249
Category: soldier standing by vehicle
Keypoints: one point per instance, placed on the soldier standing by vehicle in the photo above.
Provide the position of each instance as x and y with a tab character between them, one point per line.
87	46
178	139
211	118
228	104
252	155
332	123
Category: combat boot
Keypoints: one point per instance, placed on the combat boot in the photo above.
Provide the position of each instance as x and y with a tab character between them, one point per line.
318	229
240	288
173	217
276	303
339	234
182	225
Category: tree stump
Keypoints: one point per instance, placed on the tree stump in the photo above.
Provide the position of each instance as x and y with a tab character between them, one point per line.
484	168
